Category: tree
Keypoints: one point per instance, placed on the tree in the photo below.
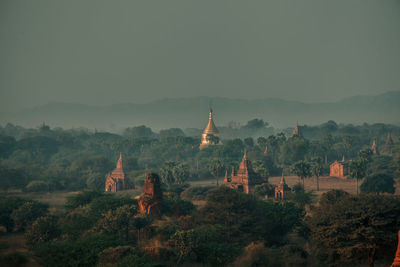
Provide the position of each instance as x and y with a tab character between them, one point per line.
27	213
180	173
249	142
208	243
216	167
173	172
37	186
43	229
356	171
212	139
172	132
302	170
355	228
166	174
7	206
378	183
119	221
260	167
316	168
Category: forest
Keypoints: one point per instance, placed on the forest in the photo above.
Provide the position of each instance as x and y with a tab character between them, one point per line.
229	228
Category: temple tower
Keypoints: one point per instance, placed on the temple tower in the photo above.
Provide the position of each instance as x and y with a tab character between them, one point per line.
115	180
245	179
282	190
396	262
210	134
374	148
296	131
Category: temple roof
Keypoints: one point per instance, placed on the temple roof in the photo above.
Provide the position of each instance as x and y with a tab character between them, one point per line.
210	128
118	172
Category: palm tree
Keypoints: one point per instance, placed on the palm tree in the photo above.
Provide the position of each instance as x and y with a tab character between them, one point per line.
316	168
301	169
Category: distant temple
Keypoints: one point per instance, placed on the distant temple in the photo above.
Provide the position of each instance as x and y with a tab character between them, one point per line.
374	148
282	190
388	149
116	179
210	134
339	169
296	131
245	179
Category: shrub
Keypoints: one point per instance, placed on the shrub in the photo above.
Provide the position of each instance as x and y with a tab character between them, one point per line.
197	192
27	213
37	186
378	183
42	230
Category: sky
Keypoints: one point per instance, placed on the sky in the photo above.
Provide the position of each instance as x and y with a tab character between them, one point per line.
105	52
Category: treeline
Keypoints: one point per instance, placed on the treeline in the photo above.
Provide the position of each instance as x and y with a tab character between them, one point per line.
231	229
46	159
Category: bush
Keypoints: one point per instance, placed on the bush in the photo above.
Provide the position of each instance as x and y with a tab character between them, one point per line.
82	252
7	206
27	213
378	183
174	205
197	192
13	260
37	186
82	198
42	230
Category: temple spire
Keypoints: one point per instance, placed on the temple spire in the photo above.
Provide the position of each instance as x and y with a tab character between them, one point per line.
119	162
396	262
283	178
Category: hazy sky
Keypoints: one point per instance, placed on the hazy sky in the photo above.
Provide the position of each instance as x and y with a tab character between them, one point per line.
100	52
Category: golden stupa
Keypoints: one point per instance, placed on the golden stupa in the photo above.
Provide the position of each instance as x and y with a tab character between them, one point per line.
210	134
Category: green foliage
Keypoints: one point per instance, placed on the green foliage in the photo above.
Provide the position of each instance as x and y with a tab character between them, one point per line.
173	172
42	229
102	204
302	169
332	197
37	186
247	218
82	198
118	221
354	228
197	192
378	183
208	243
174	205
27	213
82	252
264	190
14	259
7	206
300	197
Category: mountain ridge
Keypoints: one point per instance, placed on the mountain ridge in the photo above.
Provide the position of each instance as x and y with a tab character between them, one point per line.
192	112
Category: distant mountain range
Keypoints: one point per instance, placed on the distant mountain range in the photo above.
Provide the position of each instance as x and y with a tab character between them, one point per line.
193	113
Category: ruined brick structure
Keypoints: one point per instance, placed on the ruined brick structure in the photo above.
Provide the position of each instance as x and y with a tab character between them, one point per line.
245	179
150	202
396	262
282	190
115	180
339	169
210	134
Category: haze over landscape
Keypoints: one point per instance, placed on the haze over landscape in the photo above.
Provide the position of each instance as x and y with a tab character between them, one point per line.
139	52
200	133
